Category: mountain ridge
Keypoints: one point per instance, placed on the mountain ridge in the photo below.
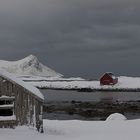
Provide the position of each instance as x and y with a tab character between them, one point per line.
29	65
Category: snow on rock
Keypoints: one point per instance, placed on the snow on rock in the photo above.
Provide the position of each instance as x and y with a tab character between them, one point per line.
116	117
28	66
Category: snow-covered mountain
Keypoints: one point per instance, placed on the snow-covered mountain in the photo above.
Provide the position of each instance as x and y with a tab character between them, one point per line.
30	65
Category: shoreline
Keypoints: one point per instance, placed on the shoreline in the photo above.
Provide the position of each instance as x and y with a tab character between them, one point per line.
90	110
91	90
125	84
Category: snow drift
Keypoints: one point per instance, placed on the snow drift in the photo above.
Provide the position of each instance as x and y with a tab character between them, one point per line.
30	65
116	117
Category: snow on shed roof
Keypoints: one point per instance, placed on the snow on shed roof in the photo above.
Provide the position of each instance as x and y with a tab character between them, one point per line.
28	87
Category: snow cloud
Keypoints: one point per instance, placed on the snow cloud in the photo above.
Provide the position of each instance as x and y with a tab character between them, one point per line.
75	37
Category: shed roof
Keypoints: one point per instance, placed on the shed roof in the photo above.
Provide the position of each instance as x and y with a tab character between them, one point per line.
25	85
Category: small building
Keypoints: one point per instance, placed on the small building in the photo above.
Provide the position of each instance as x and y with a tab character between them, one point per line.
108	79
20	103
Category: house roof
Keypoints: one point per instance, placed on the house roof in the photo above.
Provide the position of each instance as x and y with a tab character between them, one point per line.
28	87
111	75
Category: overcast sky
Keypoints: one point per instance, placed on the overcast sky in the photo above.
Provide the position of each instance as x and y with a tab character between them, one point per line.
74	37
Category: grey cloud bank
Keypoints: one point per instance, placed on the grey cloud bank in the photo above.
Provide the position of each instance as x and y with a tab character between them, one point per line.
76	38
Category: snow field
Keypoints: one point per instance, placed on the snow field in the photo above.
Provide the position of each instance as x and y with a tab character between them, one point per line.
130	83
77	130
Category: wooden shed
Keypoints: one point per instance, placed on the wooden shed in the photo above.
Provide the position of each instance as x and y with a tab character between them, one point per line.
108	79
20	103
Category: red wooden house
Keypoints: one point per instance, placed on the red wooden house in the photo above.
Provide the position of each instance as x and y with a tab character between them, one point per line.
108	79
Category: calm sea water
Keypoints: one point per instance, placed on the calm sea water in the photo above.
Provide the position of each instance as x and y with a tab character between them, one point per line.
69	95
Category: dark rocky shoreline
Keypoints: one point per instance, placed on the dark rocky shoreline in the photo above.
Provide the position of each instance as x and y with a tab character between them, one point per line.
93	90
91	110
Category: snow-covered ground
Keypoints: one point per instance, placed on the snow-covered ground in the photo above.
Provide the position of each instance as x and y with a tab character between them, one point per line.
38	78
130	83
77	130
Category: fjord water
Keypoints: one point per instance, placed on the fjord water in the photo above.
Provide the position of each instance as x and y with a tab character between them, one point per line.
70	95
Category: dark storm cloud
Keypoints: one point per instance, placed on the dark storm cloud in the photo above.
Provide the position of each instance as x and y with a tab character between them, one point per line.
68	34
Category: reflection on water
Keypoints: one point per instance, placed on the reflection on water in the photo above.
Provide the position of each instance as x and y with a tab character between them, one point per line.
69	95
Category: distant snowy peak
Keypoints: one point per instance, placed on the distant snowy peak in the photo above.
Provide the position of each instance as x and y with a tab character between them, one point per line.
30	65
